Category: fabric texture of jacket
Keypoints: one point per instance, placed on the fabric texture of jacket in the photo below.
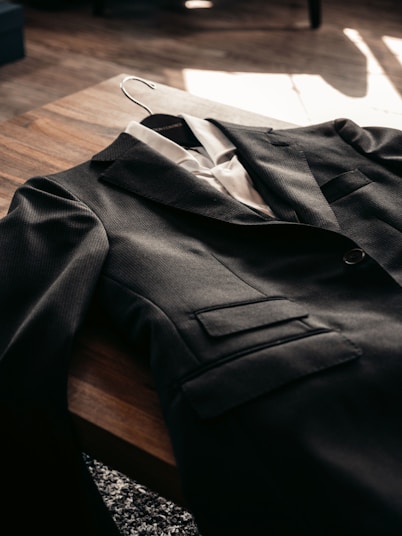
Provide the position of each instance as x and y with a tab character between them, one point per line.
275	343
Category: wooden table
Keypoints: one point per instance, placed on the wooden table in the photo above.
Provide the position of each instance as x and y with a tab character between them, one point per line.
111	393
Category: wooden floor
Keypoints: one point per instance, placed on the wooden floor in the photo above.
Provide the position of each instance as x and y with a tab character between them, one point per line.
255	54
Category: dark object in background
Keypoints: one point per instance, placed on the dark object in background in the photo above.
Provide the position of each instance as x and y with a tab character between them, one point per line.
45	4
53	5
99	7
11	32
314	9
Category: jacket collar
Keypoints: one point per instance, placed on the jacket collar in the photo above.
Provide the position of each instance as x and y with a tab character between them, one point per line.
139	169
290	190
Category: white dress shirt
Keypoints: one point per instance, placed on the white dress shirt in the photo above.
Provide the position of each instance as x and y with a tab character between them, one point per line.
215	161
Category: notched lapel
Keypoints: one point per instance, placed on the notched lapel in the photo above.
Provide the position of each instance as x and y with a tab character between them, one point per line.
137	168
281	173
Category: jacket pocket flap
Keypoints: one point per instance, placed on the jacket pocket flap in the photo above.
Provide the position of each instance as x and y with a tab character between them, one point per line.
344	184
229	384
240	317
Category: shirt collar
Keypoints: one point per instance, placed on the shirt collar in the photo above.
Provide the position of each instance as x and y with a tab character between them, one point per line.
215	143
159	143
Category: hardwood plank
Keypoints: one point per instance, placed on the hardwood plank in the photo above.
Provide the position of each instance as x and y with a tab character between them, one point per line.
70	50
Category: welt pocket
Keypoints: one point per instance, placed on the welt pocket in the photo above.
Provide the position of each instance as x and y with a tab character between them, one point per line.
344	184
235	318
228	383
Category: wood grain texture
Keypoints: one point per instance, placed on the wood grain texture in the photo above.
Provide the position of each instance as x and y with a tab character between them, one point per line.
71	49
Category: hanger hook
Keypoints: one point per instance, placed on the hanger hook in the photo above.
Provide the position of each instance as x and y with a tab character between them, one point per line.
127	94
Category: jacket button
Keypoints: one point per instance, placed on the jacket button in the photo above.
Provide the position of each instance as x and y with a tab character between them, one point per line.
354	256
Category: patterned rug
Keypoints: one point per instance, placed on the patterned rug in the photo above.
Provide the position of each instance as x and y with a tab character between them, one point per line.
137	510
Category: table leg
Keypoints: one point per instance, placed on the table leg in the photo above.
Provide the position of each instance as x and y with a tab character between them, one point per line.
314	8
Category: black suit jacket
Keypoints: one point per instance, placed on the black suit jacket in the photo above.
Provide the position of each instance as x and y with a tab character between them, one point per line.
275	343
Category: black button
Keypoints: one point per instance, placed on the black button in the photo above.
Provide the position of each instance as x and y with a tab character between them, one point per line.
354	256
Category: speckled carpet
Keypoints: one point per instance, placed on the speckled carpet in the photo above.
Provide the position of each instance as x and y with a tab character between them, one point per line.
136	510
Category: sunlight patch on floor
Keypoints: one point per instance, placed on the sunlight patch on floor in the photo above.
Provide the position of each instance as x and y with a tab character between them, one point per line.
273	95
395	46
306	99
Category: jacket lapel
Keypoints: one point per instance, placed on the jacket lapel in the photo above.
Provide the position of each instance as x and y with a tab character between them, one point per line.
278	168
138	168
281	173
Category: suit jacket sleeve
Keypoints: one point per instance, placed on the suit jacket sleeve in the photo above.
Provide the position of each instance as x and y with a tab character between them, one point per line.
52	250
